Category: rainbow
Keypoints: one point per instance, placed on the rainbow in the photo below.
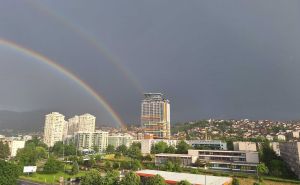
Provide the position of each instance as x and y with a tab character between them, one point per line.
89	38
28	52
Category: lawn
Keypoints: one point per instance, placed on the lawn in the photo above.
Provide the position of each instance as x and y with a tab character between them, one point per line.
250	181
111	157
49	178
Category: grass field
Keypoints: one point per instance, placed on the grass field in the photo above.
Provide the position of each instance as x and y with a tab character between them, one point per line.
250	181
49	178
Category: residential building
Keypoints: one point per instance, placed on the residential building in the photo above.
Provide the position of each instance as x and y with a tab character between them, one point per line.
91	140
14	146
293	135
184	159
228	160
194	179
120	139
281	137
155	115
146	144
54	129
208	144
290	153
244	146
82	123
275	147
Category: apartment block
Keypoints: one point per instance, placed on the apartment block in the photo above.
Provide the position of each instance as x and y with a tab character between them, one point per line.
55	128
120	139
290	153
244	146
90	140
82	123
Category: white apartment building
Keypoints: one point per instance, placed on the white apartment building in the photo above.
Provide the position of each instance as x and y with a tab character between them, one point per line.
82	123
290	153
244	146
54	129
89	140
120	139
155	115
14	146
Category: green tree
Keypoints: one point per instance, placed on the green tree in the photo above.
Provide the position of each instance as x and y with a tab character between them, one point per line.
93	177
91	162
235	181
108	165
111	178
41	152
116	165
135	165
262	169
69	149
75	168
96	149
131	179
155	180
134	152
182	147
36	142
9	173
184	182
4	150
52	166
110	149
171	150
122	149
159	147
27	156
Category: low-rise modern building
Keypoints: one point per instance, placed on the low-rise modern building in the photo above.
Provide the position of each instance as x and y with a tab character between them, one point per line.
290	153
184	159
228	160
120	139
174	177
244	146
91	140
208	144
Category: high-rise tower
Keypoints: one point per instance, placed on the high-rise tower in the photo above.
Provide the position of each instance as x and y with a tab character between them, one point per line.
155	115
55	128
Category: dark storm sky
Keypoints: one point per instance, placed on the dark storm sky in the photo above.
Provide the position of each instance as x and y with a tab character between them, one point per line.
211	59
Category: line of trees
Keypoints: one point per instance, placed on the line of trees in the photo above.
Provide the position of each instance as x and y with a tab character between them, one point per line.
112	178
161	147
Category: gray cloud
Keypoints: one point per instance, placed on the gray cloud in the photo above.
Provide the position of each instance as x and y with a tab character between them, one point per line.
224	59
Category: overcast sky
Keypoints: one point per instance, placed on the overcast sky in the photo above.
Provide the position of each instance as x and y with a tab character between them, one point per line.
211	59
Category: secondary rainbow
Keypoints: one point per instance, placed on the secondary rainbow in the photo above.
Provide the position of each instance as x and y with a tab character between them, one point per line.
89	38
65	72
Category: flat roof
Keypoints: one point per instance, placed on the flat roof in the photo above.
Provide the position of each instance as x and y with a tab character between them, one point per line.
173	155
225	151
174	177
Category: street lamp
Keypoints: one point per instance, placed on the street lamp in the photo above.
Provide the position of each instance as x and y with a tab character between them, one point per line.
205	168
